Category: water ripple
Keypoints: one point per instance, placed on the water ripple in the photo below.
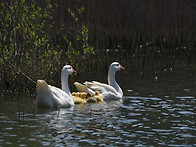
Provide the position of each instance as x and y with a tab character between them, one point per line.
135	121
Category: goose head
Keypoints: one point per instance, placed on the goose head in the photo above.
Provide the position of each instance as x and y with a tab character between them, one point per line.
67	69
115	66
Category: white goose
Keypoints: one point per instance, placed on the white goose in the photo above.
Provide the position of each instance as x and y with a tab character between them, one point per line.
50	96
108	91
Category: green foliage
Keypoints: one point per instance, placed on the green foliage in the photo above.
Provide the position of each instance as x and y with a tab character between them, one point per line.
73	14
81	9
79	53
24	40
28	41
23	29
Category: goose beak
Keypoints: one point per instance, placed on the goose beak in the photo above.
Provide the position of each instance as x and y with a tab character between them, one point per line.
74	71
121	67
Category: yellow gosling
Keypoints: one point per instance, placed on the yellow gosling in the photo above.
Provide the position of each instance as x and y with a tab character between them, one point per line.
80	94
98	97
79	97
78	100
73	93
88	95
91	100
83	97
94	99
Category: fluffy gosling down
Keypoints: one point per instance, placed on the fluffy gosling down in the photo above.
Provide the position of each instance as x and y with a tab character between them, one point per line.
95	99
79	97
83	97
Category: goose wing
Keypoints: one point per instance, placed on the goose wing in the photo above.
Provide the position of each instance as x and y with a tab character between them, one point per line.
101	87
60	97
110	96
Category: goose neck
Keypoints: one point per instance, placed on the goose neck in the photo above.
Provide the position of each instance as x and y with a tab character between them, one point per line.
65	83
111	78
112	82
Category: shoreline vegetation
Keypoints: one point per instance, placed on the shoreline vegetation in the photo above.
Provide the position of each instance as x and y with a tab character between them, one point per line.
38	38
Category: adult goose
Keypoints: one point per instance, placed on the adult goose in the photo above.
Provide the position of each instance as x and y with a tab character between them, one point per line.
50	96
108	91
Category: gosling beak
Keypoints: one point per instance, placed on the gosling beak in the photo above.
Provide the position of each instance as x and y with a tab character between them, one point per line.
121	67
74	71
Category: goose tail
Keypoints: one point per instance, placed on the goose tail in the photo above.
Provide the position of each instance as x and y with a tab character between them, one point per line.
44	94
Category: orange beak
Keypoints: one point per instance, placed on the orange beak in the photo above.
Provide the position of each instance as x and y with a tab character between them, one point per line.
74	71
121	67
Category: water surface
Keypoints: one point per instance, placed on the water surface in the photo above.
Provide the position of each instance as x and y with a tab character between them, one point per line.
155	111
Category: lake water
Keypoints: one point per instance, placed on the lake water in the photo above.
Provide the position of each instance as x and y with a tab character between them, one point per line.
157	110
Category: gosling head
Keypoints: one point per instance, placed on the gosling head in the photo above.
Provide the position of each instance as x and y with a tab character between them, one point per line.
88	95
96	92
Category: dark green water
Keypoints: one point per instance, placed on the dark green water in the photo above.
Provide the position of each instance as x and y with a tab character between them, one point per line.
157	110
